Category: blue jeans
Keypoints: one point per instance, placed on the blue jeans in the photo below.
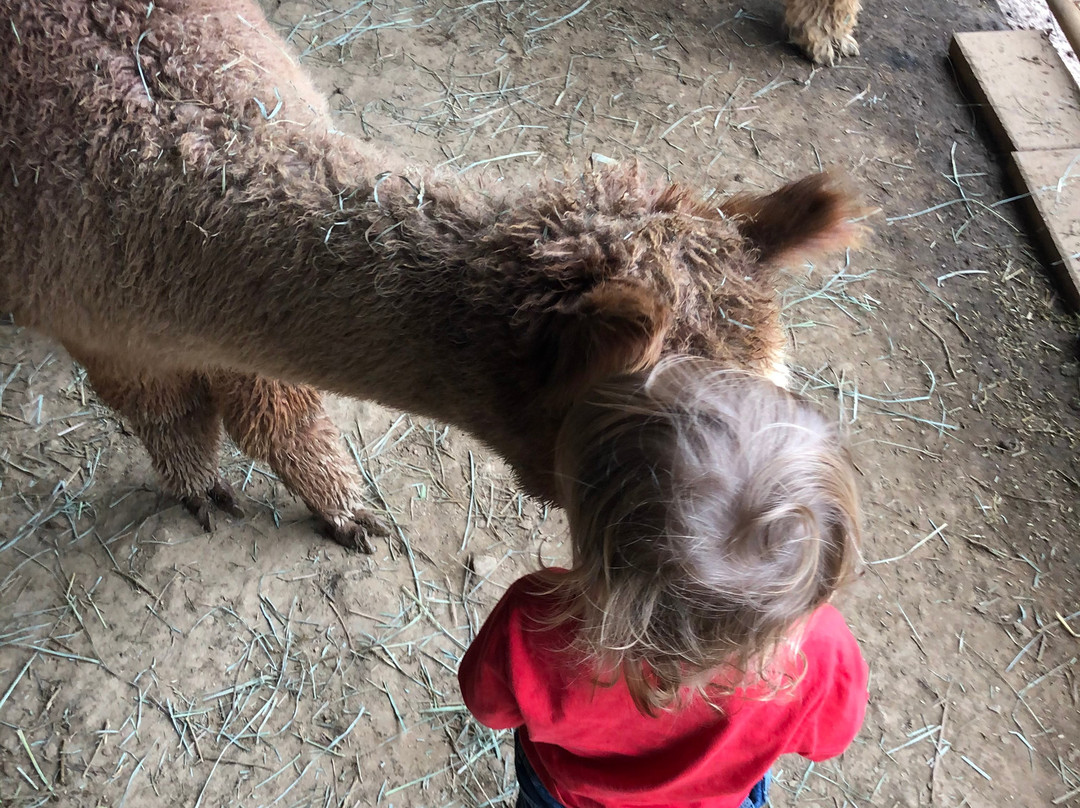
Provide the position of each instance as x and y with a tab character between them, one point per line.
534	794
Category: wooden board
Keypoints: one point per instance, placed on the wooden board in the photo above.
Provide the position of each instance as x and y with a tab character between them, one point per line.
1026	95
1052	178
1031	106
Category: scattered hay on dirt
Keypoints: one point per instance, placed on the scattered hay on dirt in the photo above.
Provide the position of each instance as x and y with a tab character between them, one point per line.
143	662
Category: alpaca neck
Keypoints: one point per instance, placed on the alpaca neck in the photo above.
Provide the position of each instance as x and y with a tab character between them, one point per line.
383	292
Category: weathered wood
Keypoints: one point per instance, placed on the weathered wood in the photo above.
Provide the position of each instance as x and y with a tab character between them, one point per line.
1052	180
1031	107
1025	93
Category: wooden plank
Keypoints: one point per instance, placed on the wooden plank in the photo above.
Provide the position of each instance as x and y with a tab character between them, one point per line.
1052	178
1025	93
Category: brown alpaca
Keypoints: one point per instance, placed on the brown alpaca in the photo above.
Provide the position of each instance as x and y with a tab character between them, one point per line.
824	29
177	211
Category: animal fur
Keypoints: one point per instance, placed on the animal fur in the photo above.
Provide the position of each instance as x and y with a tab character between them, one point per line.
211	263
824	29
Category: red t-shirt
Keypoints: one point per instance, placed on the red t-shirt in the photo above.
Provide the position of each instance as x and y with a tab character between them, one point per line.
592	748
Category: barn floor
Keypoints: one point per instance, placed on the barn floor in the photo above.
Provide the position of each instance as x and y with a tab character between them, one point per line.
144	663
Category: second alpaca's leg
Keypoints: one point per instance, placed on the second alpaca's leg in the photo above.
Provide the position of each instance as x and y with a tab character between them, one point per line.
285	426
175	416
824	29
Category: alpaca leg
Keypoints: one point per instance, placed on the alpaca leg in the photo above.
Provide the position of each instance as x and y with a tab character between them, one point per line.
824	29
284	425
176	418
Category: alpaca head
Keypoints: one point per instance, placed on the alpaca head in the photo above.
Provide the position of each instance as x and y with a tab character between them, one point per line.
643	270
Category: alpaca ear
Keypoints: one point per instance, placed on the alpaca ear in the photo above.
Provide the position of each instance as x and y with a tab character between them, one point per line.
616	327
799	221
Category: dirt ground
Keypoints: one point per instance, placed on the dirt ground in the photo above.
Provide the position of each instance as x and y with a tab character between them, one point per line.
144	663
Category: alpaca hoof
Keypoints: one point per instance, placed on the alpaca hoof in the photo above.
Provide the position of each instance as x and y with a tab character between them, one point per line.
848	46
820	49
223	496
822	52
353	532
200	508
219	495
826	47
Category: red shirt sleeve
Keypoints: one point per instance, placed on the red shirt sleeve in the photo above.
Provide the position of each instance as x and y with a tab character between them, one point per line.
836	688
484	674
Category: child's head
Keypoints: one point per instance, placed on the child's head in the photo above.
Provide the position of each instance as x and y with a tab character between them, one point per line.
710	511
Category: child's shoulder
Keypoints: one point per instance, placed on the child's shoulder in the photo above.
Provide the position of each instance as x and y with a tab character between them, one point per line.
536	588
533	597
827	620
827	643
827	626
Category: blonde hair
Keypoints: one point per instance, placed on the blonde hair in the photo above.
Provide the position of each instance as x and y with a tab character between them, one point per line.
710	511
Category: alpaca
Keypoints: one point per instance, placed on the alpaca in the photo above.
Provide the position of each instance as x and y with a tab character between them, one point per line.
823	29
213	257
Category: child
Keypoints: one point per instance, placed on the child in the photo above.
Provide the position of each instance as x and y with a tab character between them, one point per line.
712	516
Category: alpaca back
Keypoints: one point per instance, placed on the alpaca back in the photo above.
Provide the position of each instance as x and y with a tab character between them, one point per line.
177	198
107	121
